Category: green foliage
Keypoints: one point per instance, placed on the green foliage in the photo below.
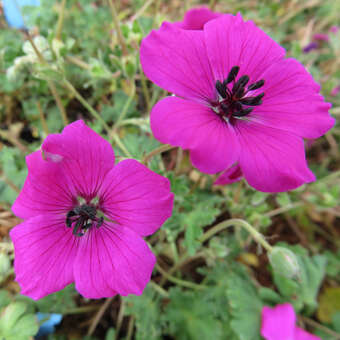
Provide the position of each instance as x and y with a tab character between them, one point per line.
15	324
245	306
185	313
60	302
12	164
146	309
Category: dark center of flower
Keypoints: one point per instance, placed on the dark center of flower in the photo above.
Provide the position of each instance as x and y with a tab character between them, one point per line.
83	217
236	101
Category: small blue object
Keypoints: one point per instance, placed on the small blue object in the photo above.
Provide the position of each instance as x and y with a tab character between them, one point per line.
13	11
48	326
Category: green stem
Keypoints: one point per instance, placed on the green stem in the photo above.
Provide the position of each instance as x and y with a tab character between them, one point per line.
126	106
258	237
179	281
181	262
117	27
50	83
92	111
322	327
118	141
157	151
212	4
84	309
60	20
159	289
97	116
130	327
145	90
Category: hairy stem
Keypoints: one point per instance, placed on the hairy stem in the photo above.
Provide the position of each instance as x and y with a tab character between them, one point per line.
157	151
180	282
258	237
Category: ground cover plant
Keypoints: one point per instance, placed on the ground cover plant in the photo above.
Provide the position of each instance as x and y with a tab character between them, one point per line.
173	180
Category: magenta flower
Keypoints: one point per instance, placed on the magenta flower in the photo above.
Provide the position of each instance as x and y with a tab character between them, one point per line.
196	18
278	323
238	100
85	218
231	175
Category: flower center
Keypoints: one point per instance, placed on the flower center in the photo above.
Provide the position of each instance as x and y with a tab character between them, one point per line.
82	218
237	101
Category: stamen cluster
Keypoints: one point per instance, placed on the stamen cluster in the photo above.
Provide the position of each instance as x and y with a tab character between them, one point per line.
82	218
233	102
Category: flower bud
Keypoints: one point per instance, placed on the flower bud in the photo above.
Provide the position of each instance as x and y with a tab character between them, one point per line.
284	262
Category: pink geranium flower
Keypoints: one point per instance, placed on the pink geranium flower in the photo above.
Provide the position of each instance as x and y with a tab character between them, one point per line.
278	323
238	100
84	218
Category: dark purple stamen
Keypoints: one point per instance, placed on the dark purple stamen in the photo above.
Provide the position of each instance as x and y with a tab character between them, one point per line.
82	218
232	75
232	101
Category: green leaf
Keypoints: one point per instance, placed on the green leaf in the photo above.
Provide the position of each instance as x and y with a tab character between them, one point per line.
5	298
110	334
59	302
202	215
189	317
146	309
15	324
245	306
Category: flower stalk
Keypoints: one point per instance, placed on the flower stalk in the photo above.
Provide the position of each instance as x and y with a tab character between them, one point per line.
117	27
157	151
258	237
50	84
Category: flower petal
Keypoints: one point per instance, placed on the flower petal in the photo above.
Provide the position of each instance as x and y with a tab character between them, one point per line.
190	125
292	101
231	175
85	156
176	60
232	42
272	160
45	250
278	323
301	334
45	189
195	18
112	259
136	197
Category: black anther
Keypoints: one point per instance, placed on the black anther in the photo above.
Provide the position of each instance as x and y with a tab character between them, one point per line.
256	85
232	75
221	89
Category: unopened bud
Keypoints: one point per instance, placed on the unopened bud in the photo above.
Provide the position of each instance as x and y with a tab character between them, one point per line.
284	262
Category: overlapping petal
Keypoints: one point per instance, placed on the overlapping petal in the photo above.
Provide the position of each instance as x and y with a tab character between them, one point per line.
112	260
211	141
230	41
46	189
292	101
231	175
84	155
45	250
136	197
278	323
196	18
176	60
272	160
